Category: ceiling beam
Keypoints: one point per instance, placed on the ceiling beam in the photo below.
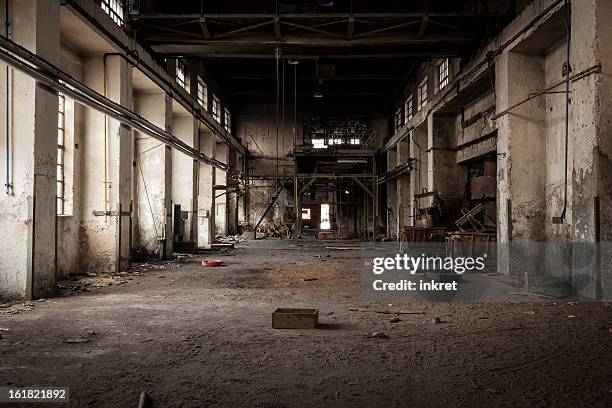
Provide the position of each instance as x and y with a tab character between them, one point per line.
293	39
350	31
389	28
233	54
241	30
270	16
265	77
423	27
204	28
277	29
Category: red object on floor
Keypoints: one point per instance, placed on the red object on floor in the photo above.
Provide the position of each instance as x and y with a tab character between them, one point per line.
211	263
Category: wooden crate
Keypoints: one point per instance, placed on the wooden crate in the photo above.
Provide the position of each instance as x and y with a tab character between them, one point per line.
287	318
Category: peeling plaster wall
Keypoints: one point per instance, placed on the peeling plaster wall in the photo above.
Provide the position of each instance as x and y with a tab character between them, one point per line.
153	181
99	234
184	187
27	213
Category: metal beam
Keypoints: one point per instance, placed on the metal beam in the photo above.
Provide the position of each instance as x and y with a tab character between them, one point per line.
282	187
389	28
202	52
277	29
270	16
303	189
363	186
204	28
423	27
240	30
325	39
350	31
312	29
361	77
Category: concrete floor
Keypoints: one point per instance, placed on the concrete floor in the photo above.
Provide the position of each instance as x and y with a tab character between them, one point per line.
198	337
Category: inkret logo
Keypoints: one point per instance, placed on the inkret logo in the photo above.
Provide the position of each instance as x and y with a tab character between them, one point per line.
425	273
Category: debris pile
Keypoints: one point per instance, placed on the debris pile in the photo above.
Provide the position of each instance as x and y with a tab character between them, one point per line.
272	231
230	239
15	307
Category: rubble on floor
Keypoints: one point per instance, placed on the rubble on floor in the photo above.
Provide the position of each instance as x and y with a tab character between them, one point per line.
15	307
230	239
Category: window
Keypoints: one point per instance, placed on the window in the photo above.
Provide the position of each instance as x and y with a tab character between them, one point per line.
180	74
443	74
409	112
227	122
335	141
422	94
355	141
325	219
202	94
319	143
216	109
61	146
398	119
305	213
114	8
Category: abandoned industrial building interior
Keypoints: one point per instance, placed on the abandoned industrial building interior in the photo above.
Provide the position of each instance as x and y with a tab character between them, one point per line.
300	203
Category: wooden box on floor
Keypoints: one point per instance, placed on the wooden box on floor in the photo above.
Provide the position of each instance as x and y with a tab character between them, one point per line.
285	318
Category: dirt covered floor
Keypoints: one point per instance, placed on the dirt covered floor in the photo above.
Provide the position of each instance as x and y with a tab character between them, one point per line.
202	337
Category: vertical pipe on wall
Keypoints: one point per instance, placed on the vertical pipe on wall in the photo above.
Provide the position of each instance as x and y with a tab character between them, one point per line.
7	124
105	144
568	30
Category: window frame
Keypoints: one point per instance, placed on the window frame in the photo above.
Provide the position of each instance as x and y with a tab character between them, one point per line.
60	193
180	74
227	119
443	70
409	109
202	95
115	9
422	94
216	108
398	119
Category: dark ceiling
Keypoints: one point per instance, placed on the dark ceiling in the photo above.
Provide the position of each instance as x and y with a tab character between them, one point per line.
351	50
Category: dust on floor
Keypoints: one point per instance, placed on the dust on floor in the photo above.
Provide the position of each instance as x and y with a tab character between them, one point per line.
199	337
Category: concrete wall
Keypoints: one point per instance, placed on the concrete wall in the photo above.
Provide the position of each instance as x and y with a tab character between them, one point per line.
184	173
153	180
107	169
256	125
27	211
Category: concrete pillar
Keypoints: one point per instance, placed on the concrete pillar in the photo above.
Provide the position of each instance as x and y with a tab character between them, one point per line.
221	154
184	174
444	175
206	194
591	149
403	187
392	203
107	171
521	148
28	211
418	176
153	177
232	196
